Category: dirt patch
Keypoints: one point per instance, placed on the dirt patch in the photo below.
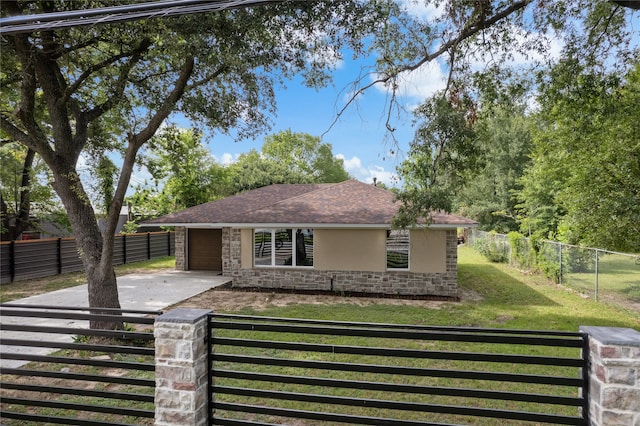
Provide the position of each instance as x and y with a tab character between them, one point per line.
233	301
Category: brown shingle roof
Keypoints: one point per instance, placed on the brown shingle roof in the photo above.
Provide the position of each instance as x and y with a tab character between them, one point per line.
345	203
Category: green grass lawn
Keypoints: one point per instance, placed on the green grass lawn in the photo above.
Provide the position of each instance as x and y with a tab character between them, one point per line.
618	278
508	299
505	298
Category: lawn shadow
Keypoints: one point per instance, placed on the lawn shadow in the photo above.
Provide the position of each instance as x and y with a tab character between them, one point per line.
499	287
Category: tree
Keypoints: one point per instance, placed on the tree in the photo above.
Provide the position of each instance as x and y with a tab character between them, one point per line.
586	158
440	156
503	135
307	154
108	89
26	199
195	179
252	170
484	47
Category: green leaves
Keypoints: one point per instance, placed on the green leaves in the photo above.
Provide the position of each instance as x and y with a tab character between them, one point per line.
306	154
442	153
584	184
184	173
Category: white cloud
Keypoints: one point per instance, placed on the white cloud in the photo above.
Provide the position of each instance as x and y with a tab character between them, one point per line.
420	83
366	174
424	81
423	10
227	159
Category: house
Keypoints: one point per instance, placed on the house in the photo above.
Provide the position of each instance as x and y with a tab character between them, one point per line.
334	237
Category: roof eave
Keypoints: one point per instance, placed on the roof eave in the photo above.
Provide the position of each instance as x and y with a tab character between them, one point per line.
308	225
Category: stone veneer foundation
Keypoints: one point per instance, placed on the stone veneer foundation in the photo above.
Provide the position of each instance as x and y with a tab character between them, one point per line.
400	283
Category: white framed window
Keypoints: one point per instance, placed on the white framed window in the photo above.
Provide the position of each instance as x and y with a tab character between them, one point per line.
283	247
398	249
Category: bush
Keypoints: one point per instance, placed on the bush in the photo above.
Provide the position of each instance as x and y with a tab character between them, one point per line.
492	249
522	253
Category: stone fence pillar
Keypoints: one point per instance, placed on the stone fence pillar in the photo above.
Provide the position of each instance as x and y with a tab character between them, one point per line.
181	368
614	376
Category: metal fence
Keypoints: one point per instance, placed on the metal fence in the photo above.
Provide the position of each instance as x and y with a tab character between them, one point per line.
22	260
602	274
55	369
265	370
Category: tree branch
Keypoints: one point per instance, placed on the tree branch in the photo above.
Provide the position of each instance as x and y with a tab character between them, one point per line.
469	30
135	54
137	140
165	109
16	134
25	112
66	50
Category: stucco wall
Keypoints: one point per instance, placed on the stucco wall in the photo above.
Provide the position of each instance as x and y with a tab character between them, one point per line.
246	247
428	251
349	249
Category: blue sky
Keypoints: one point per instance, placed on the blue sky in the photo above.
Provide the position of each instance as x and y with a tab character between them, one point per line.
358	136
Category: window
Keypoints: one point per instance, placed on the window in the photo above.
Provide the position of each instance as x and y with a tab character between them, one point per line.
397	249
283	247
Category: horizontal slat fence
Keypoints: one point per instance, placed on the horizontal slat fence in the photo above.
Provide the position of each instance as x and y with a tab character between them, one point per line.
265	370
22	260
56	370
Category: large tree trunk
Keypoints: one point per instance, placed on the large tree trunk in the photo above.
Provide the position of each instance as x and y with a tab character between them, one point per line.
97	257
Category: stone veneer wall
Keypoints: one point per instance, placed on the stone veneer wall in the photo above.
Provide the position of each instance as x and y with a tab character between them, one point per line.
388	282
614	376
181	251
181	359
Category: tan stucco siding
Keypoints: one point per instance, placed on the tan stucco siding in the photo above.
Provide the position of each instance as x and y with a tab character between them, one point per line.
350	249
428	251
246	248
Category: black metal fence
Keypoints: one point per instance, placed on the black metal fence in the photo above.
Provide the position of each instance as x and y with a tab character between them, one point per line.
21	260
57	370
265	370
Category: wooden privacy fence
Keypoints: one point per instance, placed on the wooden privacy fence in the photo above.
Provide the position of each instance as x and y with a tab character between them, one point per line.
21	260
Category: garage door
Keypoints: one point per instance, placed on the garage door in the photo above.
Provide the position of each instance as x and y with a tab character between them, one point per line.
205	249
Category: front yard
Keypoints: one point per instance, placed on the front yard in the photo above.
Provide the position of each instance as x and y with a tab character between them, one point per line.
492	296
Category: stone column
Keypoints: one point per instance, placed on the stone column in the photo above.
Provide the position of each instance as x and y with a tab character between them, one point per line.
181	368
181	249
614	377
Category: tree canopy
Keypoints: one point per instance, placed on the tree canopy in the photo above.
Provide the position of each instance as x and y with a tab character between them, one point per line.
86	92
573	63
183	174
584	182
285	157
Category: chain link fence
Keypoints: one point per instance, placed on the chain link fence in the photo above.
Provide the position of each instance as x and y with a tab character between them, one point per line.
600	274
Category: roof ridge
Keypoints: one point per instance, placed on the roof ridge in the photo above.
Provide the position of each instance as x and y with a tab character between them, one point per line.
285	199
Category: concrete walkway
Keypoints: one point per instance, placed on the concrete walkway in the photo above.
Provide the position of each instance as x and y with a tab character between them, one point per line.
153	292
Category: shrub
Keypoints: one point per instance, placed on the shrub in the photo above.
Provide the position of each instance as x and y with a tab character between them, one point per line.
522	253
492	249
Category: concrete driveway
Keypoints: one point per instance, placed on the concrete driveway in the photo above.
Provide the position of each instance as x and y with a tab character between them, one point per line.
154	292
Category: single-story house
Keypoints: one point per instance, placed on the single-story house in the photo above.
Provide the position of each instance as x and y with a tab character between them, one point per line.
323	237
